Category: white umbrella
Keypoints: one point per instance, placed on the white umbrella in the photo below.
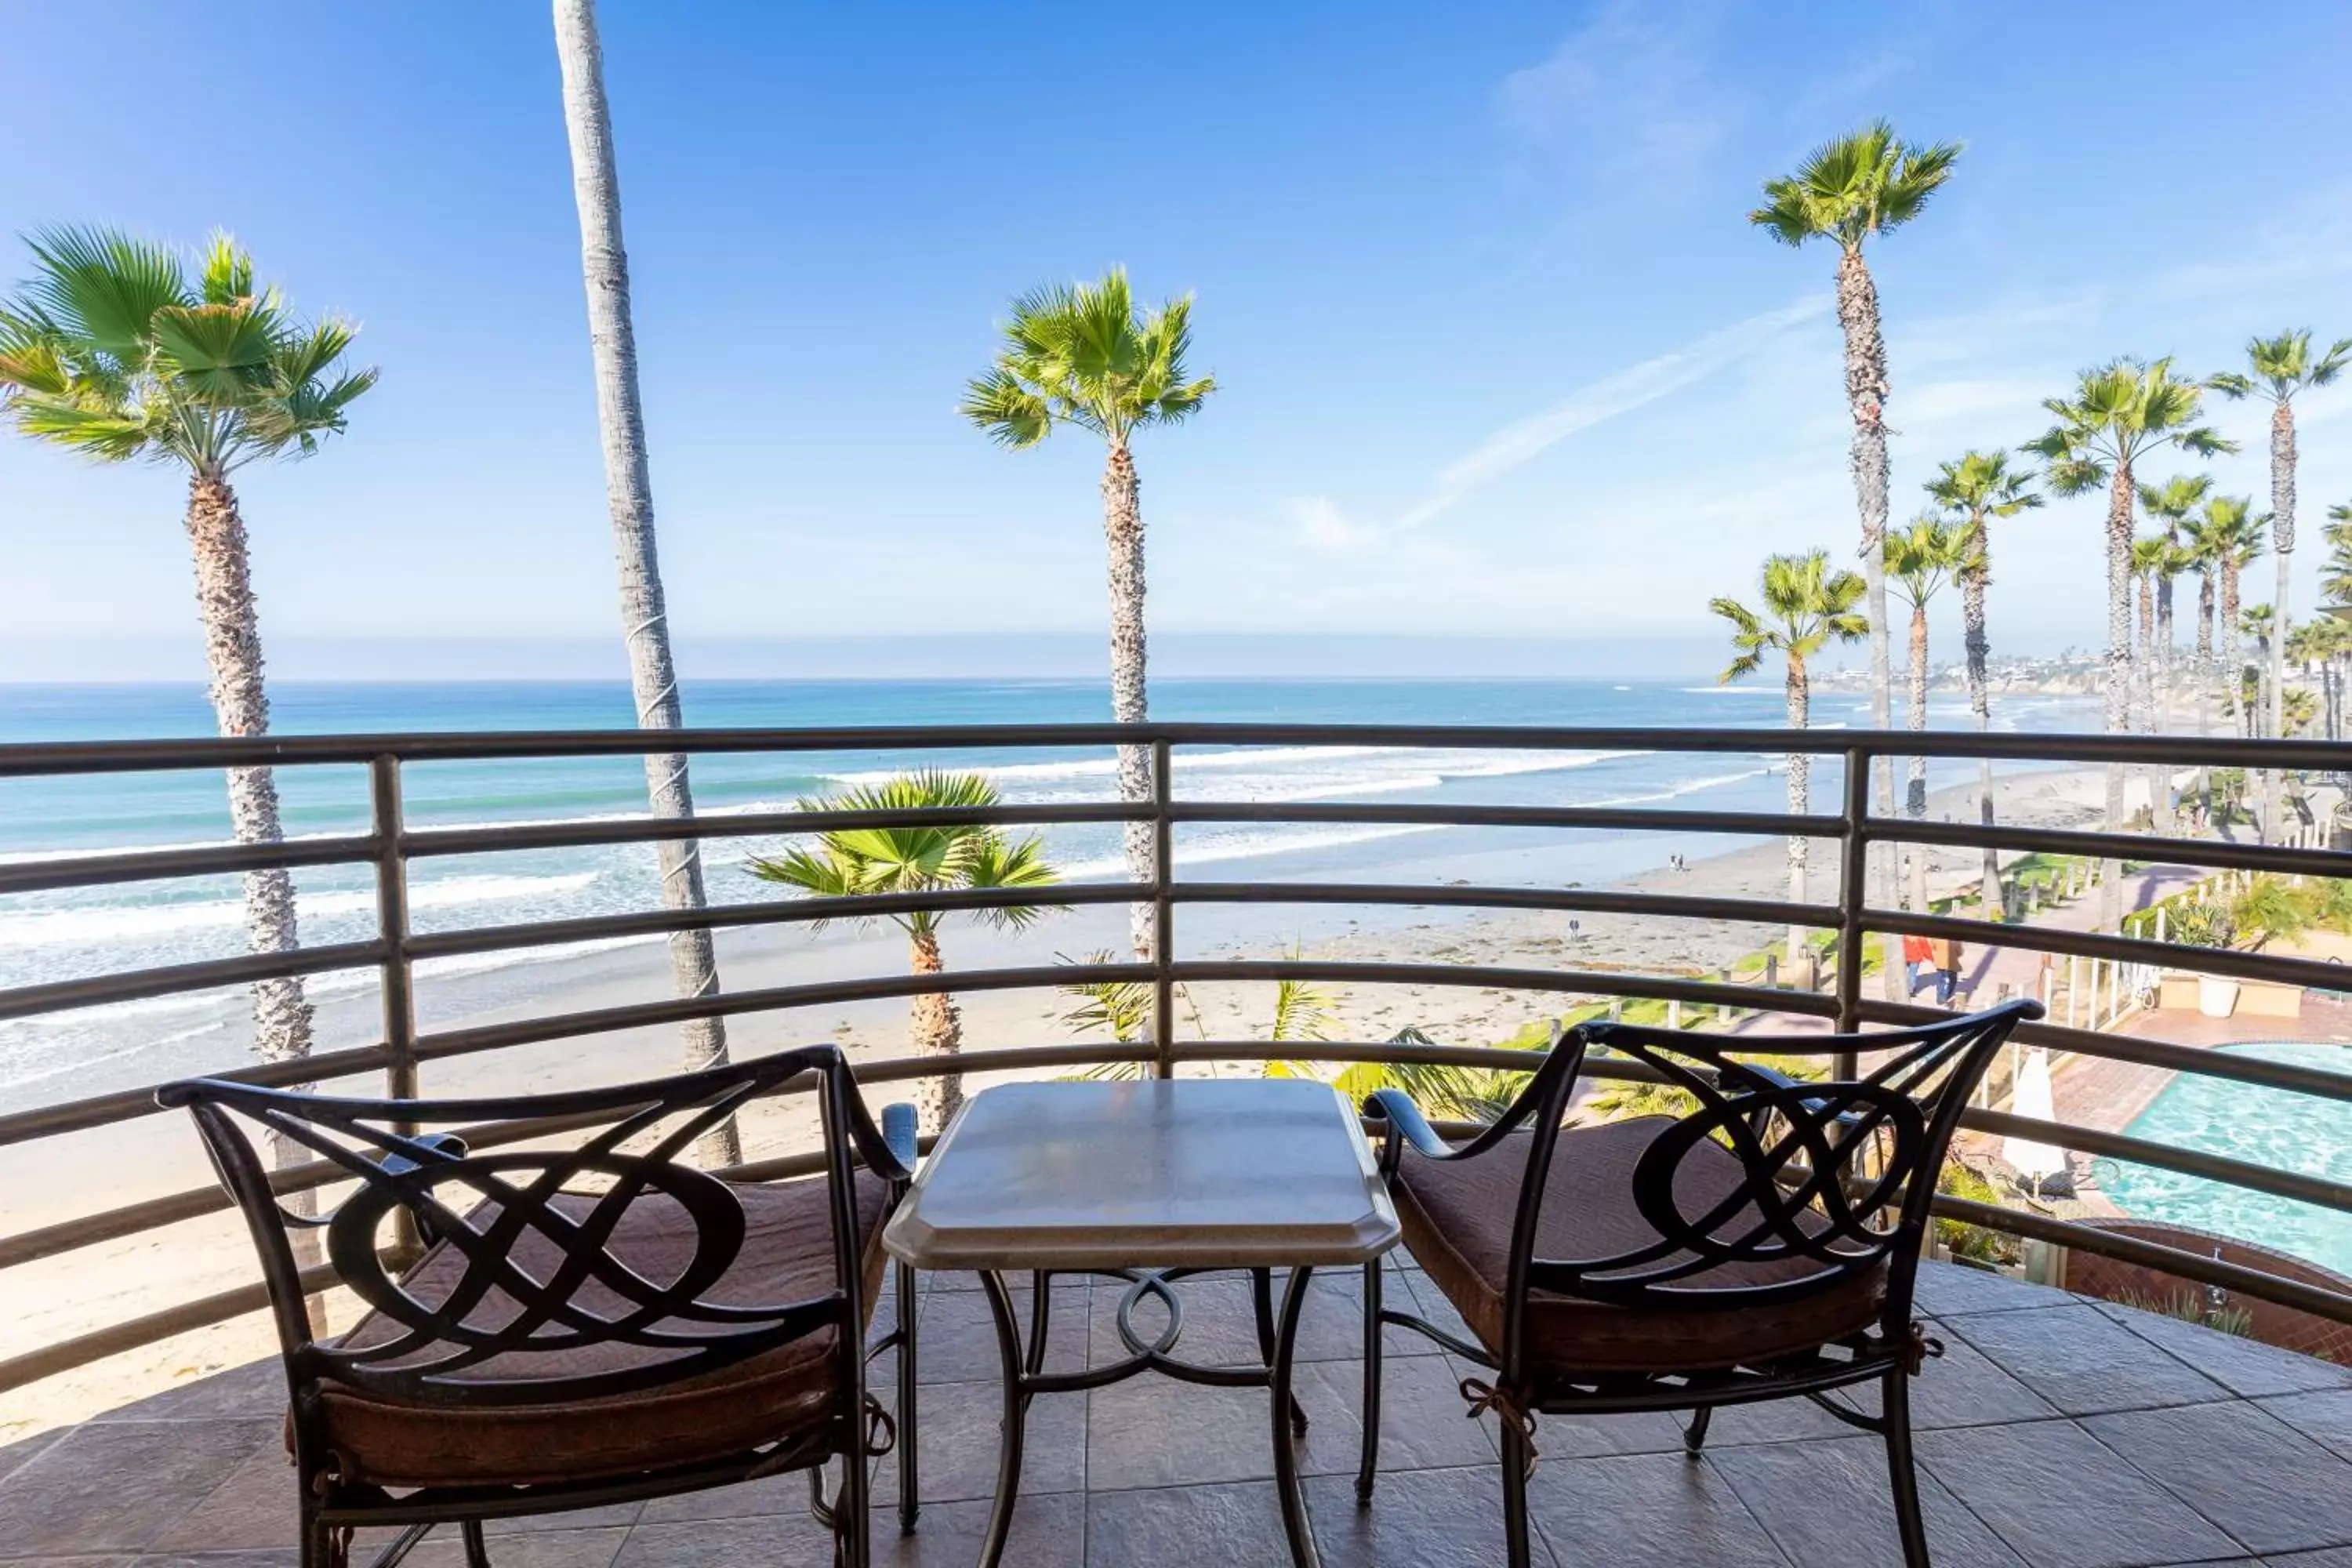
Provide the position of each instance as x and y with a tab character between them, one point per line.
2035	1162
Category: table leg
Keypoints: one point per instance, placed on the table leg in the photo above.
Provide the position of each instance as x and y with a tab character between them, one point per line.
1295	1523
1016	1411
1262	1301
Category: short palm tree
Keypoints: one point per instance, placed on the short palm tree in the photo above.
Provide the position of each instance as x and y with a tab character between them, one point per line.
2120	413
1806	606
1081	354
1919	561
1851	191
2281	367
856	862
116	351
1978	488
2320	644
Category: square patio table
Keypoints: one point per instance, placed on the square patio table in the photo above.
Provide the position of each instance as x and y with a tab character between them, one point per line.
1149	1181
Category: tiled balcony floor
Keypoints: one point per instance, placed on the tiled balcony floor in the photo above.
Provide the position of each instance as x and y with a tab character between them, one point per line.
2055	1433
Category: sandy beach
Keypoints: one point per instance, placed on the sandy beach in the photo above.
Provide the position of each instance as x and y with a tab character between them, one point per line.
55	1180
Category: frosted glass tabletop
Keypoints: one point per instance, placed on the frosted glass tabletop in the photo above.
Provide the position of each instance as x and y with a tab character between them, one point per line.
1159	1173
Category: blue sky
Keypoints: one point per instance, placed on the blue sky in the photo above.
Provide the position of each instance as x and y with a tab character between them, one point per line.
1497	352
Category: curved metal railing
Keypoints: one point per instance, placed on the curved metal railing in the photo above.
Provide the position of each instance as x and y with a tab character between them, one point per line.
394	949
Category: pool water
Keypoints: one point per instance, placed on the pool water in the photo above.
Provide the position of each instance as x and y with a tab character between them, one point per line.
2247	1121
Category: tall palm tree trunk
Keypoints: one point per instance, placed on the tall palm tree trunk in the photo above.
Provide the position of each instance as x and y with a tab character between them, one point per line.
628	486
281	1010
1123	533
1800	764
1915	801
938	1027
2282	541
1866	392
2155	772
2118	678
1973	580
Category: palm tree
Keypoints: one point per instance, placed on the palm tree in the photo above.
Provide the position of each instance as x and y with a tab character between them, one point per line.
1806	608
2170	504
2121	412
1919	561
2226	540
2320	644
2335	578
628	489
2283	366
115	352
2259	622
856	862
1079	355
1851	190
1977	489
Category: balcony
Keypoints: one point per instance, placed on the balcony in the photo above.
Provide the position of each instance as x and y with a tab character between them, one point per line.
141	1416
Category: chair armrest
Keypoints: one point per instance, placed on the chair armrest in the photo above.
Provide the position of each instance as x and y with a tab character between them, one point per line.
899	1131
448	1143
1405	1122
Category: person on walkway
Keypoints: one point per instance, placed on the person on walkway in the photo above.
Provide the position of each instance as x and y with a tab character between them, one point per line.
1915	953
1947	972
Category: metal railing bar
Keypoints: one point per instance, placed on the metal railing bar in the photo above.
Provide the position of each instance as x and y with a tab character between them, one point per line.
2093	844
62	1355
2308	971
2237	1277
2280	1183
33	758
1751	823
129	1104
774	998
137	984
1588	901
1706	993
196	860
195	1202
2201	1060
765	911
493	840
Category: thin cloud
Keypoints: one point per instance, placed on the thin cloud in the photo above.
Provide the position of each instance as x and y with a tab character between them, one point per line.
1518	443
1627	96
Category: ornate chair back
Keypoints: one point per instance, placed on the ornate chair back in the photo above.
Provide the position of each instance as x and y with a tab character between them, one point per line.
529	1225
1834	1178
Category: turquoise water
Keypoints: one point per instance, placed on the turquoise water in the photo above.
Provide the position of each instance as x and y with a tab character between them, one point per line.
2263	1126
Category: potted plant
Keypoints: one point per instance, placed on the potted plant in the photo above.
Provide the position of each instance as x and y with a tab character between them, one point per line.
2208	925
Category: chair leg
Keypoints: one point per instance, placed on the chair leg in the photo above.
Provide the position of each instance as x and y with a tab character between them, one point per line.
853	1538
910	1497
1695	1435
1516	1548
1369	1467
477	1553
1895	1405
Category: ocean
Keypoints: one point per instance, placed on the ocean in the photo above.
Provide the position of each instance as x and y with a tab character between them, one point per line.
67	934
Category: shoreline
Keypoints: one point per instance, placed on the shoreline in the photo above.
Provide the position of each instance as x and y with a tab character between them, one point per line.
83	1291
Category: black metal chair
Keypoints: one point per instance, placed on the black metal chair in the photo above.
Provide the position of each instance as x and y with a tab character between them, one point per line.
591	1320
1763	1246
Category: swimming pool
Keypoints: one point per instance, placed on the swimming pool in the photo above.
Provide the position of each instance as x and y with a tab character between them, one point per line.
2247	1121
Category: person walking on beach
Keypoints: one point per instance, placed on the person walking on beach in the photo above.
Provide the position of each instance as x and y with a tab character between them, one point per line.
1915	953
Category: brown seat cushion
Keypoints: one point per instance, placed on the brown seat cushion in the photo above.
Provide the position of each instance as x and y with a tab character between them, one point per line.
786	1257
1457	1216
